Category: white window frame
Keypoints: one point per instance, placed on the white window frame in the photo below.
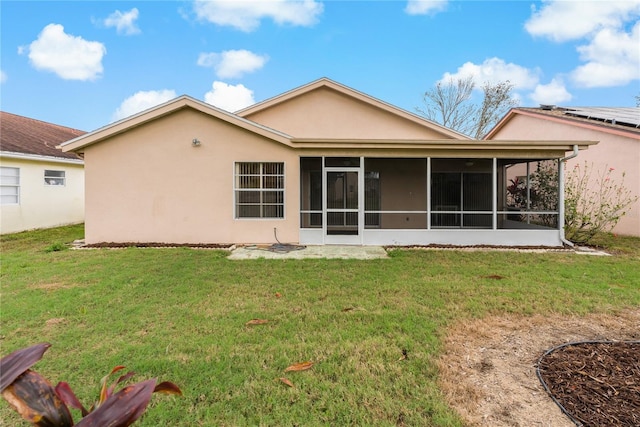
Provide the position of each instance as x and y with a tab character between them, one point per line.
53	179
262	189
5	176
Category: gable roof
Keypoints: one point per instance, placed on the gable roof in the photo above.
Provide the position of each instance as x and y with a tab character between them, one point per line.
167	108
448	145
354	94
623	121
26	137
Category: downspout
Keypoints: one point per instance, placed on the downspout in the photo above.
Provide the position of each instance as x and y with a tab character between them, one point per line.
561	194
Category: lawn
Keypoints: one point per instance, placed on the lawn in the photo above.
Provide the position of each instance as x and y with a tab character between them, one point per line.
372	328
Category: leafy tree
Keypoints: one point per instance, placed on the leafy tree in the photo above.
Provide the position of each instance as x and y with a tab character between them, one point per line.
449	103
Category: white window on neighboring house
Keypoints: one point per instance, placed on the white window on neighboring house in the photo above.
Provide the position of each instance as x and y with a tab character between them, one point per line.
52	177
259	190
9	186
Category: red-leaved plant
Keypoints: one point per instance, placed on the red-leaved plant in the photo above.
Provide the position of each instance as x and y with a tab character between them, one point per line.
37	401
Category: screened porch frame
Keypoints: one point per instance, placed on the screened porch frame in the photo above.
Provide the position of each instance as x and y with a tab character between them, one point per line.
431	232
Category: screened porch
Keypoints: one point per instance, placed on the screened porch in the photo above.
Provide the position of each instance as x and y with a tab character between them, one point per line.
362	200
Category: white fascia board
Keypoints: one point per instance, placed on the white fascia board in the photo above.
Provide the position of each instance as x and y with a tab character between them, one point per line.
39	158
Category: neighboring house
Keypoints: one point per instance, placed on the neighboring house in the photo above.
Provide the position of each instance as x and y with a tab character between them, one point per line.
40	186
616	129
320	164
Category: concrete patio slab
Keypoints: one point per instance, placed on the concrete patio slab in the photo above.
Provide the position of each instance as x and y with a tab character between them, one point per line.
304	252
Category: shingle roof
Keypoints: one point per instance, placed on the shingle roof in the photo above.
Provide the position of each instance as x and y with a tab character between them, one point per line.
20	134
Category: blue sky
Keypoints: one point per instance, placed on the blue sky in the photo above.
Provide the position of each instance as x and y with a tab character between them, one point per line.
84	64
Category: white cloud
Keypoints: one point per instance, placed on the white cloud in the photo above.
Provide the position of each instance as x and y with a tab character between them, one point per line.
70	57
141	101
611	56
552	93
232	63
562	20
3	76
612	59
246	15
495	70
124	22
229	97
425	7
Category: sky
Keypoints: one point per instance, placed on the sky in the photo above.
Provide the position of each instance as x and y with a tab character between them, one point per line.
85	64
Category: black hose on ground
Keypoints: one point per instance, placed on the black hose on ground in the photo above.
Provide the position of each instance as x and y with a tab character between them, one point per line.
283	247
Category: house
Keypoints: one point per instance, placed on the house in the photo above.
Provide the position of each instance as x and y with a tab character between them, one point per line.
320	164
617	130
40	186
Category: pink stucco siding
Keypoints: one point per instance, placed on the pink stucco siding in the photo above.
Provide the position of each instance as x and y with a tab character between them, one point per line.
151	184
618	150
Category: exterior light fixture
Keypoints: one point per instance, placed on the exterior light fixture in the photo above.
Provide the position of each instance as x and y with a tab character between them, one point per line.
195	142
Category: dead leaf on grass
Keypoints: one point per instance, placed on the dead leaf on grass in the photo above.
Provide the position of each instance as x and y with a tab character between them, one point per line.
278	294
493	276
299	367
256	322
286	382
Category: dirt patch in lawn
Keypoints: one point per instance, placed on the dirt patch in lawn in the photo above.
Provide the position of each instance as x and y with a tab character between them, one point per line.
488	368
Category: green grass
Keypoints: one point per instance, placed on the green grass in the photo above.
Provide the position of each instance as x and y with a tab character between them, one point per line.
180	314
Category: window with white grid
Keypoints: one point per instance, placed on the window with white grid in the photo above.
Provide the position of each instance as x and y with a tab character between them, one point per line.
259	190
9	186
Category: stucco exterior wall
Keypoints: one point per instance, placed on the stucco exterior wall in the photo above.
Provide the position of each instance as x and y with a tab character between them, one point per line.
613	151
326	113
157	187
40	205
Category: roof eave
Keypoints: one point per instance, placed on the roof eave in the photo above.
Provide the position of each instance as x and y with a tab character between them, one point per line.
444	144
184	101
39	158
561	119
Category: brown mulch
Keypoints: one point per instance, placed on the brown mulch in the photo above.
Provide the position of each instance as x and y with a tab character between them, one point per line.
114	245
595	383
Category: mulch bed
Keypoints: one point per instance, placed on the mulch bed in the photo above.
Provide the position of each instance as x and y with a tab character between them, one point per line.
595	383
159	245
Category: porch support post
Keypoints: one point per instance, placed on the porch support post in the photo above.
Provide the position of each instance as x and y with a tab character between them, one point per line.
561	185
528	192
428	193
494	185
324	202
361	191
561	198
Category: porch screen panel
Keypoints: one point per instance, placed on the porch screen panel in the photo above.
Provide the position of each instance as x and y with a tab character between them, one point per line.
445	196
477	196
259	190
372	200
311	192
342	203
459	199
529	194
